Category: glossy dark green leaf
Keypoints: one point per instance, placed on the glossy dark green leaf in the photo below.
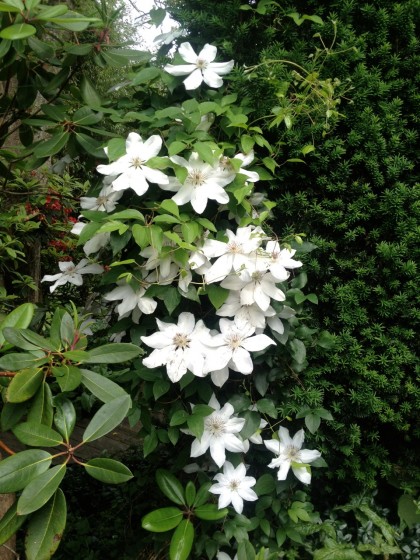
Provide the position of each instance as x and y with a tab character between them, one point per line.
11	414
265	485
37	493
246	551
64	417
10	523
18	470
162	520
16	361
53	145
24	385
40	48
182	541
19	317
170	486
17	31
267	406
37	435
45	529
203	494
27	340
113	353
85	116
210	512
217	295
52	11
108	417
252	423
68	377
108	470
103	388
41	410
145	75
190	493
90	145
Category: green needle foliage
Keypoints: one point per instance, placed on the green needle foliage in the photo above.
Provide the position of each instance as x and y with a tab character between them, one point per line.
356	196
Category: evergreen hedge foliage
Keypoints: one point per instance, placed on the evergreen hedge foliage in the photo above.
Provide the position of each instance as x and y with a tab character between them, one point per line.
357	199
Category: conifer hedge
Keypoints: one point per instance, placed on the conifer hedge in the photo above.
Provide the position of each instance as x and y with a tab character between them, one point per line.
356	197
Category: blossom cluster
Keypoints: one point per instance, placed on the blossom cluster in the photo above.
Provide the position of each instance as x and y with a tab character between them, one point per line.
248	263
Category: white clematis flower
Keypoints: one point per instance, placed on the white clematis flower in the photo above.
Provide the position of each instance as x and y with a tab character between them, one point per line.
95	243
280	260
203	182
133	301
106	201
220	433
227	168
290	454
132	171
237	254
178	347
233	487
257	287
233	345
72	273
200	67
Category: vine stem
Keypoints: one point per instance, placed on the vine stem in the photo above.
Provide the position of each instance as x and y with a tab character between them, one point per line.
6	448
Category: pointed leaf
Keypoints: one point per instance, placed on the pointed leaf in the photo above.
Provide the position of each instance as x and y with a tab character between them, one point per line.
40	490
10	523
26	339
45	529
170	486
65	417
15	361
109	416
112	353
210	512
17	31
18	470
103	388
162	520
41	410
108	470
24	385
11	414
182	541
19	317
37	435
53	145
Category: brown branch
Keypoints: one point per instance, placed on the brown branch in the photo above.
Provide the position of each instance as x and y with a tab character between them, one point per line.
7	373
6	448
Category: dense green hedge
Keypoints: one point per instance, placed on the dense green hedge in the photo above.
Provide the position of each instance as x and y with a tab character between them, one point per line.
357	199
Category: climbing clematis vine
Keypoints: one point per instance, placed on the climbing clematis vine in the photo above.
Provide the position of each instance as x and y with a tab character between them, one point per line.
201	67
233	487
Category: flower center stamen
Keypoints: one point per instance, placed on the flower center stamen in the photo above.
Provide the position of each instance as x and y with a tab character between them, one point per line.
196	177
234	341
234	247
201	63
101	200
136	162
181	340
234	485
215	425
292	453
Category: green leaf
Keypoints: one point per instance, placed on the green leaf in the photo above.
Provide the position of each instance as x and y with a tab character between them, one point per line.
45	529
24	385
175	148
19	317
27	340
68	377
18	470
265	485
90	145
195	424
40	490
326	340
246	551
312	422
217	295
407	511
160	387
170	486
10	523
267	406
89	94
129	214
65	417
207	224
179	417
190	493
247	143
202	495
307	149
145	75
141	235
171	299
110	415
12	6
182	541
52	11
298	350
17	31
103	388
170	206
162	520
11	414
50	147
37	435
112	353
190	231
338	552
150	443
210	512
43	50
108	470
